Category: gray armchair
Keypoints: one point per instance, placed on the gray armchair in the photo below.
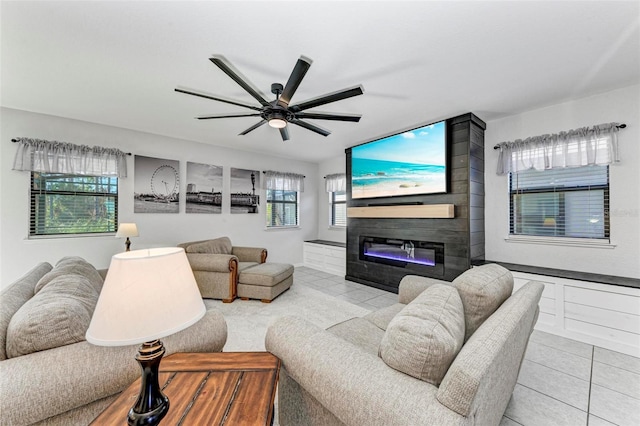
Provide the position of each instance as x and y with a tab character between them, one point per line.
216	265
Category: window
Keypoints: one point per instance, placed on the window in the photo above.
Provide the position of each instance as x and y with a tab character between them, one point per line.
566	202
73	204
338	202
336	185
282	208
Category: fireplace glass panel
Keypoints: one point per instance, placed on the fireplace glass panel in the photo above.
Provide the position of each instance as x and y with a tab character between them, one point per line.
402	251
419	256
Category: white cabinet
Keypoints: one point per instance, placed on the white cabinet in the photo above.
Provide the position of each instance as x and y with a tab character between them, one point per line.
326	258
599	314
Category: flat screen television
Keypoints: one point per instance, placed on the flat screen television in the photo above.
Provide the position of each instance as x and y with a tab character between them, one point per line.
408	163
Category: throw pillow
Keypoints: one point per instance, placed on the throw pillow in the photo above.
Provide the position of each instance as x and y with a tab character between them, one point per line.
482	290
57	315
426	335
72	265
14	296
217	246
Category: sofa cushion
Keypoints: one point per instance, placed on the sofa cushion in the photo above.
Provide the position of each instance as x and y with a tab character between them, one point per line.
266	274
16	295
360	332
244	265
220	245
57	315
412	285
72	265
482	290
383	316
425	337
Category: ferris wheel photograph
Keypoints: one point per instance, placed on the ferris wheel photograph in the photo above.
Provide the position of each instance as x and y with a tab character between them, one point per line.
156	185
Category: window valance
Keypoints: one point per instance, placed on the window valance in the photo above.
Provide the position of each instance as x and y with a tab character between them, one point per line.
37	155
283	181
335	182
597	145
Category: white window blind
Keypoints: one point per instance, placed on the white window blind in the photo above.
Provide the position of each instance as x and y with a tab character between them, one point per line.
338	201
569	202
72	204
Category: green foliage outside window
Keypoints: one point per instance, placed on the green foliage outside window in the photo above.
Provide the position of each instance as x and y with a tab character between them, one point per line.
73	204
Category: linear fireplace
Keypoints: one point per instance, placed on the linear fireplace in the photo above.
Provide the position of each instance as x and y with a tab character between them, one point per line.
417	256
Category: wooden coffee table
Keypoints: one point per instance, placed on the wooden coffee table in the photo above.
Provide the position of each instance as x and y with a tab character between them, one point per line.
220	388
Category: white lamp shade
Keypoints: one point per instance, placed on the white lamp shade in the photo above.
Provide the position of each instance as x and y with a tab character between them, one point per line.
127	230
147	294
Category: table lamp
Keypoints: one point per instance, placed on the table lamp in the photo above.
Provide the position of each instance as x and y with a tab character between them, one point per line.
147	294
127	230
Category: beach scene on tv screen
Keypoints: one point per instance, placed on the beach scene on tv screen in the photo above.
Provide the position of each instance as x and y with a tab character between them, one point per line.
408	163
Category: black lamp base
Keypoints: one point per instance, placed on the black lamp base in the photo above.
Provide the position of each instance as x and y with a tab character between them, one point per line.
152	405
127	244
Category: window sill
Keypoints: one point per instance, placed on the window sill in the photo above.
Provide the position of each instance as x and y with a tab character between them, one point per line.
66	236
336	228
281	228
559	241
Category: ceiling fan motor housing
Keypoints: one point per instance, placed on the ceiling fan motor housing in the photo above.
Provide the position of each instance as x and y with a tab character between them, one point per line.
276	111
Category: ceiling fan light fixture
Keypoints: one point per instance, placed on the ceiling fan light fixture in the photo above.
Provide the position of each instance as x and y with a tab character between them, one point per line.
277	123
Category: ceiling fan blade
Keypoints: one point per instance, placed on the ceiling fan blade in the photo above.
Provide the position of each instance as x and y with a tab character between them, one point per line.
328	116
326	99
252	128
299	70
311	127
208	117
284	132
225	66
215	98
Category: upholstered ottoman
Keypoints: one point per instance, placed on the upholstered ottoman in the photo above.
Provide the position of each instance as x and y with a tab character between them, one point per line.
265	281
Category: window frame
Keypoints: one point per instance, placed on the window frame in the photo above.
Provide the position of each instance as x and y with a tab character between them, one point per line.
332	209
561	190
269	223
37	227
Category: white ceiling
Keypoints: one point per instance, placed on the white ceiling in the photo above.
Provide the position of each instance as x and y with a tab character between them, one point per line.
117	63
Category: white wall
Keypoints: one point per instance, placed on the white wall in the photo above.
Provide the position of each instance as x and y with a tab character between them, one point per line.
325	230
18	253
622	105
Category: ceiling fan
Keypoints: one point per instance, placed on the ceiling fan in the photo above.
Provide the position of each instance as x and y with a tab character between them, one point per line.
278	113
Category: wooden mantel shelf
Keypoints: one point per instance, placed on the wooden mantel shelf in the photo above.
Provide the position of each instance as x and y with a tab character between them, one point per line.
429	211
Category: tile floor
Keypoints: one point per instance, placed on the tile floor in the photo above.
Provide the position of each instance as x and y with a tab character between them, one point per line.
561	382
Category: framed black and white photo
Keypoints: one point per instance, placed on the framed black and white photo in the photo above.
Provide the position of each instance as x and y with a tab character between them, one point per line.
156	187
204	188
244	184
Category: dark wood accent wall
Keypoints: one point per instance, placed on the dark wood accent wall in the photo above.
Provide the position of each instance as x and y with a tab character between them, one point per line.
463	235
476	189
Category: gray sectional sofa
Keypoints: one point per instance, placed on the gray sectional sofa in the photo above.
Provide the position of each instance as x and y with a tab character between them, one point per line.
445	354
49	375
